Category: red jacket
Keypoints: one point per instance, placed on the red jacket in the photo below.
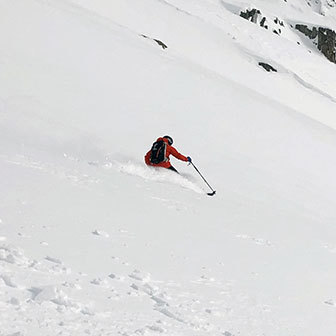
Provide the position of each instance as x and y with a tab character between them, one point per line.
170	150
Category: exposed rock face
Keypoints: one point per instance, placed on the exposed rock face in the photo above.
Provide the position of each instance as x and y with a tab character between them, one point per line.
323	38
326	39
327	43
311	33
251	15
254	15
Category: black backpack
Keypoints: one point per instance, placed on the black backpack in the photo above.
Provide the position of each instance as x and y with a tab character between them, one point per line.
158	152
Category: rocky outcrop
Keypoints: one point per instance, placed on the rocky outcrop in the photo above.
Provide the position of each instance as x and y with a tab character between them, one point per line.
311	33
254	15
327	43
251	15
325	39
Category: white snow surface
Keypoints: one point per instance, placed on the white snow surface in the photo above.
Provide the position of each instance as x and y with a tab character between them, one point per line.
93	242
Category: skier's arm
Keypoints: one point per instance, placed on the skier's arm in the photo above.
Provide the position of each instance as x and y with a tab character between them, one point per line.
175	153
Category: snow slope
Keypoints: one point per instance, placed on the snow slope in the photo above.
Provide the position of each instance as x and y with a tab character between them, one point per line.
94	242
210	34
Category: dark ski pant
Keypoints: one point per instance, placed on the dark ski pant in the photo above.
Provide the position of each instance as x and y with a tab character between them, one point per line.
173	169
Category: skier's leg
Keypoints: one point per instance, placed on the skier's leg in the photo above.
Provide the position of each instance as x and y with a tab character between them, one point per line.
173	169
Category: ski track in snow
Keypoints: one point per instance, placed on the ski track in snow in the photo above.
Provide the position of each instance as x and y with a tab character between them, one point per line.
27	285
73	175
153	174
49	287
82	179
258	241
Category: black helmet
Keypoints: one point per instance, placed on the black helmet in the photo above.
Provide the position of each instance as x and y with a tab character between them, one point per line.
170	139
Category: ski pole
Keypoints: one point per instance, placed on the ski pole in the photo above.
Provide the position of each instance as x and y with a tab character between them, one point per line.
213	191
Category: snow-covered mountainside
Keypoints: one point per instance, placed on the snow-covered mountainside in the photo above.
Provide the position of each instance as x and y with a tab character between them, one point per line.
93	242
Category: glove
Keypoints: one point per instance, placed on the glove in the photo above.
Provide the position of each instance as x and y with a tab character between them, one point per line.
189	159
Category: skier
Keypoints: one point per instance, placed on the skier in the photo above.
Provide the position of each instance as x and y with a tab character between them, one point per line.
158	156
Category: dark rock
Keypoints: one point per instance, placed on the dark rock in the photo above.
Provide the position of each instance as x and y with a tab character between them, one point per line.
262	22
311	33
327	43
326	39
254	15
267	67
161	44
251	15
278	21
